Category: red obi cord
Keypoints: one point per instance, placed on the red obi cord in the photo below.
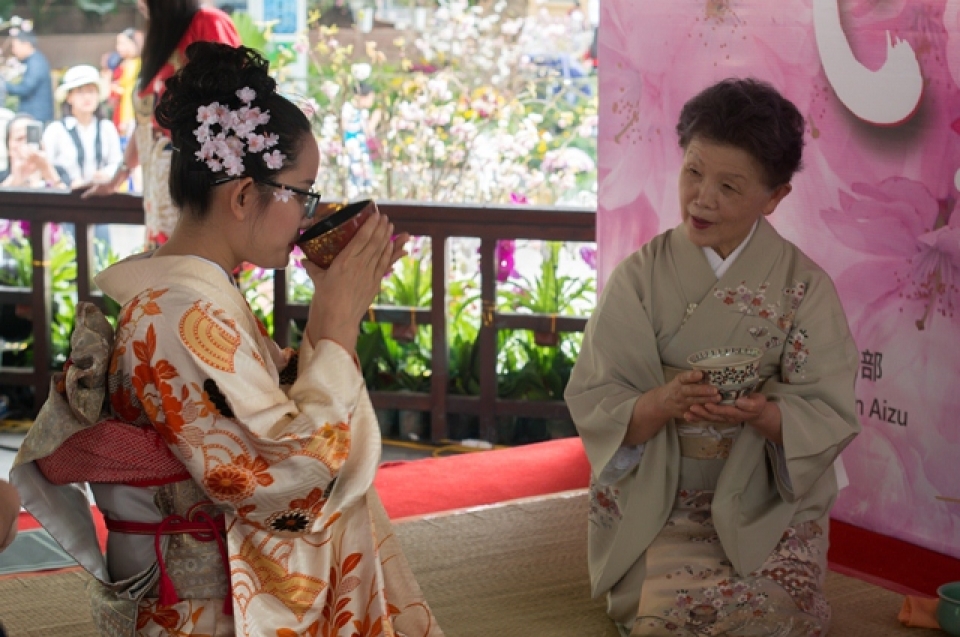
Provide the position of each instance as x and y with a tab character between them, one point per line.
199	524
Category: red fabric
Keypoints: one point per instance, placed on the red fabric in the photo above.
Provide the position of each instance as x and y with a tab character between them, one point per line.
28	522
472	479
209	24
883	559
114	452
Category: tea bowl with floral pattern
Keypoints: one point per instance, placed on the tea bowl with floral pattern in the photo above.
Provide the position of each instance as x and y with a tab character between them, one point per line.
324	240
734	371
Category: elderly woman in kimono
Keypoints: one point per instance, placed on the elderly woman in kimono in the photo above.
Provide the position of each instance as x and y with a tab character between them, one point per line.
235	477
710	519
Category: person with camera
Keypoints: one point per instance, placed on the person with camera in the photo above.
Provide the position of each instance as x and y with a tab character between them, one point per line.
27	164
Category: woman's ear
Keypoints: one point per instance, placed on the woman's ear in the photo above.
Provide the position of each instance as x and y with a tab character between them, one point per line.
776	197
243	198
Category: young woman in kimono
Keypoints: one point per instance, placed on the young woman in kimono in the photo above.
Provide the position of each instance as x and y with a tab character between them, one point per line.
236	478
710	519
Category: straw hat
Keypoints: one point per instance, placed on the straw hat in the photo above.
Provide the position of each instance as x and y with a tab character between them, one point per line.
81	75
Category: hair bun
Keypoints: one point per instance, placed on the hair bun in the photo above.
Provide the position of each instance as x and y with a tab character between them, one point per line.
214	73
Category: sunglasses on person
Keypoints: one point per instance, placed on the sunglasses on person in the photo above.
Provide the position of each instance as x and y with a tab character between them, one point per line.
311	197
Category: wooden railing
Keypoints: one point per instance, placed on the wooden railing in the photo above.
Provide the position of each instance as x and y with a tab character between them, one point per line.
439	222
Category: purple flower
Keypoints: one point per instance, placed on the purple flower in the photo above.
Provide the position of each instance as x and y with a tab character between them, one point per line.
517	198
505	260
55	231
589	256
7	230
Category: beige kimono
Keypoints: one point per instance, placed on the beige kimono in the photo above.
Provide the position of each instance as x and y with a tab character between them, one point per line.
286	457
715	531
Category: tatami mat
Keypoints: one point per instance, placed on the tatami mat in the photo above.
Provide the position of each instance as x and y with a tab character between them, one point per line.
51	605
513	569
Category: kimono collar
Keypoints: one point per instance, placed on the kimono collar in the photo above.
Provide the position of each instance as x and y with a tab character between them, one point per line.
721	265
696	278
124	280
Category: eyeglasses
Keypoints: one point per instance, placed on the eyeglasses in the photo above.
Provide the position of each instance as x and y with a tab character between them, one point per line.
310	204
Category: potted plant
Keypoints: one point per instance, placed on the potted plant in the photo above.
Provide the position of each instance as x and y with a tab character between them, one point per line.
409	286
17	271
548	292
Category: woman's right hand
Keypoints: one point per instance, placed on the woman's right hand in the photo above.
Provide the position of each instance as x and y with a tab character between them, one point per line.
655	408
685	390
99	190
343	293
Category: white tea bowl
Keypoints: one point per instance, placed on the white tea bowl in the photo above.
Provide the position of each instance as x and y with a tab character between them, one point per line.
735	371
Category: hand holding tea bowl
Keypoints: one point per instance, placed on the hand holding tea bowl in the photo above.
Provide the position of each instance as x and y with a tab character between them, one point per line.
351	280
324	240
948	610
734	371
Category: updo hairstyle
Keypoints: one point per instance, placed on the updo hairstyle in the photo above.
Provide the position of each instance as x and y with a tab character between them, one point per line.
215	72
752	116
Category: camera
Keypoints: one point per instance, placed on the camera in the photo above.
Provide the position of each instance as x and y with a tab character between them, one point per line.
34	133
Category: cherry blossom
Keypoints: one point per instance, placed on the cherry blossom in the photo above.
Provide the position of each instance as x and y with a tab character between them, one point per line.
902	298
247	94
282	194
224	151
274	159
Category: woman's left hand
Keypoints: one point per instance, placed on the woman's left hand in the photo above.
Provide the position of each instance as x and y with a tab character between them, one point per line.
754	410
343	293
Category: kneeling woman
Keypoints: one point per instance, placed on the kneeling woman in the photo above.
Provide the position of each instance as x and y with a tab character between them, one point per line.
708	518
235	477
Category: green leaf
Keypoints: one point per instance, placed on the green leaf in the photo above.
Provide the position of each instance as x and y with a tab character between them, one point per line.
251	35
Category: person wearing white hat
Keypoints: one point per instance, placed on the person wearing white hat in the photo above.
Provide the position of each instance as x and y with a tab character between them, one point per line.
83	145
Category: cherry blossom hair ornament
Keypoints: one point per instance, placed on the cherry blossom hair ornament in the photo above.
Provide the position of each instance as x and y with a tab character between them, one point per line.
226	121
226	136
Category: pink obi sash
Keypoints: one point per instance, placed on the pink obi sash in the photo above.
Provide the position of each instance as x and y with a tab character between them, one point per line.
114	452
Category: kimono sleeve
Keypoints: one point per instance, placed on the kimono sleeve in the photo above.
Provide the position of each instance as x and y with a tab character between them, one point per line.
255	448
618	362
815	389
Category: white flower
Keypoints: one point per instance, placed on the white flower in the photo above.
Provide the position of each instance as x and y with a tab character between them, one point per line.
310	107
282	194
274	159
255	143
330	89
207	115
247	94
361	71
233	165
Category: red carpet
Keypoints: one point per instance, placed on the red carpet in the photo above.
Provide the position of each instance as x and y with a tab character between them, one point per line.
430	485
454	482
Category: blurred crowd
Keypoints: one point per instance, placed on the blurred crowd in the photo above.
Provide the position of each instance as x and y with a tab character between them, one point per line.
65	130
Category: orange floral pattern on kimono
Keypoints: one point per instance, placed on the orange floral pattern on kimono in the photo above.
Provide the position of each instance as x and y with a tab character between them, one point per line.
291	466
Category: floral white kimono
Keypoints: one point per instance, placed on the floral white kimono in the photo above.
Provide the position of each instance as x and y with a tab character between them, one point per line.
285	448
715	531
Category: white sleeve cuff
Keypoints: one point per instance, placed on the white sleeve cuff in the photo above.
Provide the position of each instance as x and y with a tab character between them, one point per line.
622	463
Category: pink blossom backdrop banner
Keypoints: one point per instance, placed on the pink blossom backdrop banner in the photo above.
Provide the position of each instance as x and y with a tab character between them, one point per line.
875	205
